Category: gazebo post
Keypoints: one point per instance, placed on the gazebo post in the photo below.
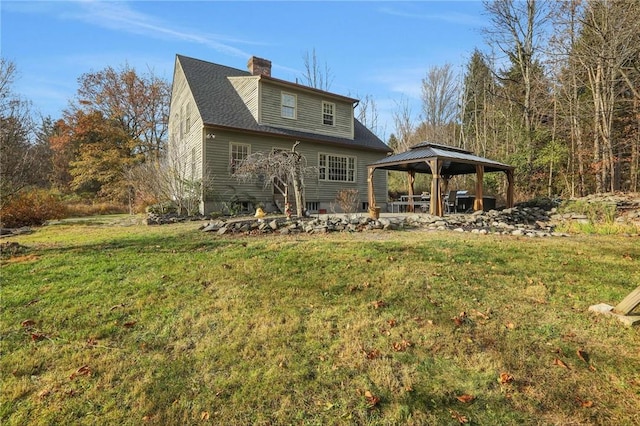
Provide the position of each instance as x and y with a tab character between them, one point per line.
371	195
478	202
435	204
509	188
411	176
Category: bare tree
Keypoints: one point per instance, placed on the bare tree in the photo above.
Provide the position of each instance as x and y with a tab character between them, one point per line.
170	178
315	75
439	102
280	168
404	125
368	113
517	30
18	162
607	45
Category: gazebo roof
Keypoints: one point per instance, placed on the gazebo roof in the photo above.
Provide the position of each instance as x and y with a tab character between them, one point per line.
456	161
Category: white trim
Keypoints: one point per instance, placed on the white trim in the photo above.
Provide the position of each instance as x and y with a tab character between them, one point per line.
231	159
332	115
348	170
294	107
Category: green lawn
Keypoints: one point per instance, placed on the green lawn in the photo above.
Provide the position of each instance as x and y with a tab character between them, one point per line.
114	324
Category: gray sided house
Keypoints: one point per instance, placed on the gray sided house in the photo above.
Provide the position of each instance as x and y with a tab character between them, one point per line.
219	115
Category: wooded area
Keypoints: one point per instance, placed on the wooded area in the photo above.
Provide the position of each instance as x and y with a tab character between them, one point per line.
555	92
557	96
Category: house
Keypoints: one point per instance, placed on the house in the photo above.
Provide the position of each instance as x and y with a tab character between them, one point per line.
219	115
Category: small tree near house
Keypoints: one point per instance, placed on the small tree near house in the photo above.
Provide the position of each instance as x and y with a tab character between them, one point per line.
348	200
284	169
170	178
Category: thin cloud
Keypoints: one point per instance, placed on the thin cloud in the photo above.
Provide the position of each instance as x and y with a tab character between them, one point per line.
449	17
406	81
118	16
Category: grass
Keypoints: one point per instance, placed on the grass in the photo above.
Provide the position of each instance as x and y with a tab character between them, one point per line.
112	324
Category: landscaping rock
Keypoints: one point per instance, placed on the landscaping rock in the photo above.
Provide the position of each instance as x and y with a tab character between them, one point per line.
529	220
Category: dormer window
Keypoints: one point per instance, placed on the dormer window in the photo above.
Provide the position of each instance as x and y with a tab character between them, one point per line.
328	113
288	109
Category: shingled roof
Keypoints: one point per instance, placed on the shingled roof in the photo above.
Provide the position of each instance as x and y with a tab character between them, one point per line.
456	161
220	105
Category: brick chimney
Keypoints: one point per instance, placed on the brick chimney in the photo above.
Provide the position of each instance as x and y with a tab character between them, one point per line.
259	66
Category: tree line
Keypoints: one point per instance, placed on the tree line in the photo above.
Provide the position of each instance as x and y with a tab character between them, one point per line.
556	93
117	122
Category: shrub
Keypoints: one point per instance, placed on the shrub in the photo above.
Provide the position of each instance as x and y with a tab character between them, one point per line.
83	209
347	199
163	208
595	211
31	208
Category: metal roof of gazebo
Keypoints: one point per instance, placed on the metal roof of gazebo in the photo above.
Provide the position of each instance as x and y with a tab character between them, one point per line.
443	162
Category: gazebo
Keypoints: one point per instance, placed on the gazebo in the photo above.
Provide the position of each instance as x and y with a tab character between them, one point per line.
442	162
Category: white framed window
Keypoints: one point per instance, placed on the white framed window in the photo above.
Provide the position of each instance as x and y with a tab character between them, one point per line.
336	168
288	105
328	113
237	153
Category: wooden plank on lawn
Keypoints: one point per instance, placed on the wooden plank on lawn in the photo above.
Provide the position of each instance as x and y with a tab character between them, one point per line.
629	303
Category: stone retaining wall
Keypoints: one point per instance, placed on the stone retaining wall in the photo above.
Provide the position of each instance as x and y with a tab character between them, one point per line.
528	221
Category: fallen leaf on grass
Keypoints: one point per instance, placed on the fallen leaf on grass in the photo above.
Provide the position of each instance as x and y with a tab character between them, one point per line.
510	325
379	304
480	314
560	363
32	302
28	323
372	354
461	318
401	346
372	400
82	371
44	393
462	419
204	415
114	307
586	404
505	378
391	322
465	398
129	324
36	337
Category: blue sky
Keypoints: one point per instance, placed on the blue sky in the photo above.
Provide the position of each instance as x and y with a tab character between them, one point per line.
375	48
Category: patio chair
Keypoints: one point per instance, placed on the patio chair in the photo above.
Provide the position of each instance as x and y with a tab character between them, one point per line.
451	202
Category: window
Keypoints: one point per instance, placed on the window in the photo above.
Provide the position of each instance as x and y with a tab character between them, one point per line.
237	153
327	113
336	168
288	105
